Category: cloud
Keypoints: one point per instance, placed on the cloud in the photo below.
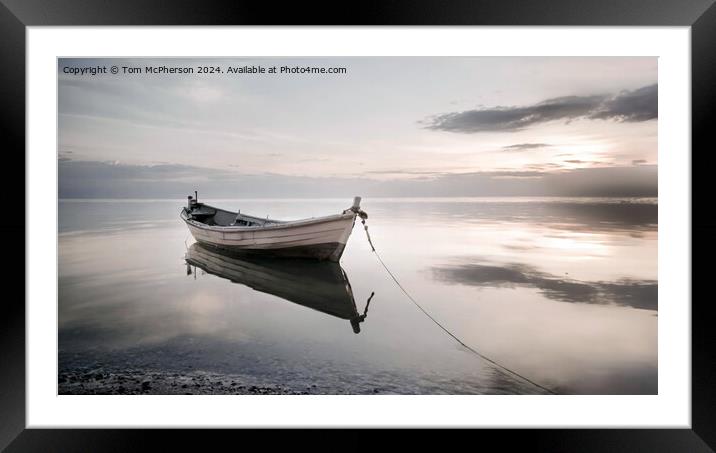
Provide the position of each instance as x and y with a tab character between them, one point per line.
625	106
625	292
547	166
405	172
636	105
525	146
516	174
638	161
88	179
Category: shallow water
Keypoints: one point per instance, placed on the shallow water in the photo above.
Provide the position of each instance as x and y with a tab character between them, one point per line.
563	291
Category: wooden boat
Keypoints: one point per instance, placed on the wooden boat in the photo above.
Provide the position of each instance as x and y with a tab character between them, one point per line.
322	286
322	238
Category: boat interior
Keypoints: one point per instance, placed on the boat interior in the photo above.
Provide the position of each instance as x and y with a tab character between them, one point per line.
212	216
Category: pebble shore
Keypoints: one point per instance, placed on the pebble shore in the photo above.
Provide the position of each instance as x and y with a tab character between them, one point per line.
138	382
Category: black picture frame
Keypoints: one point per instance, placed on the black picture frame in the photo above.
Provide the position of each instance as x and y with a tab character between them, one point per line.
16	15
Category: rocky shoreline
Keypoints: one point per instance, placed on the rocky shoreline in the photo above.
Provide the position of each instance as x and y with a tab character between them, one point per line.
148	382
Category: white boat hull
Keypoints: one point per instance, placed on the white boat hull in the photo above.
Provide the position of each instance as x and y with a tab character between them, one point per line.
321	238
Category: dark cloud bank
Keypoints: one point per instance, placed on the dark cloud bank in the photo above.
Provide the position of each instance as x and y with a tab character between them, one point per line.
84	179
524	146
626	106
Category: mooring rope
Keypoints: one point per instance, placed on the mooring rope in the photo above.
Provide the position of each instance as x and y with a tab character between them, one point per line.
437	323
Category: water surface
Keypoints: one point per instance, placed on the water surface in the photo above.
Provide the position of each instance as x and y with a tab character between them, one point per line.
563	291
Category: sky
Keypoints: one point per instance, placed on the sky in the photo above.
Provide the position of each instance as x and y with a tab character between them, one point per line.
397	126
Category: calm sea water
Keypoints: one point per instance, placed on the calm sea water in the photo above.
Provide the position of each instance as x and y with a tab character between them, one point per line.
563	291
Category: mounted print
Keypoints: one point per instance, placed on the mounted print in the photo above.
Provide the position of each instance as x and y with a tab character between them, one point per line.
358	225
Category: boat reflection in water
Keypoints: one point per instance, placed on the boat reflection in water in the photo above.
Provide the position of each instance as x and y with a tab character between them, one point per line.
322	286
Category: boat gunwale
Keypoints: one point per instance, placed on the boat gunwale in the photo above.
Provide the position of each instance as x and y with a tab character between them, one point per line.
281	224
